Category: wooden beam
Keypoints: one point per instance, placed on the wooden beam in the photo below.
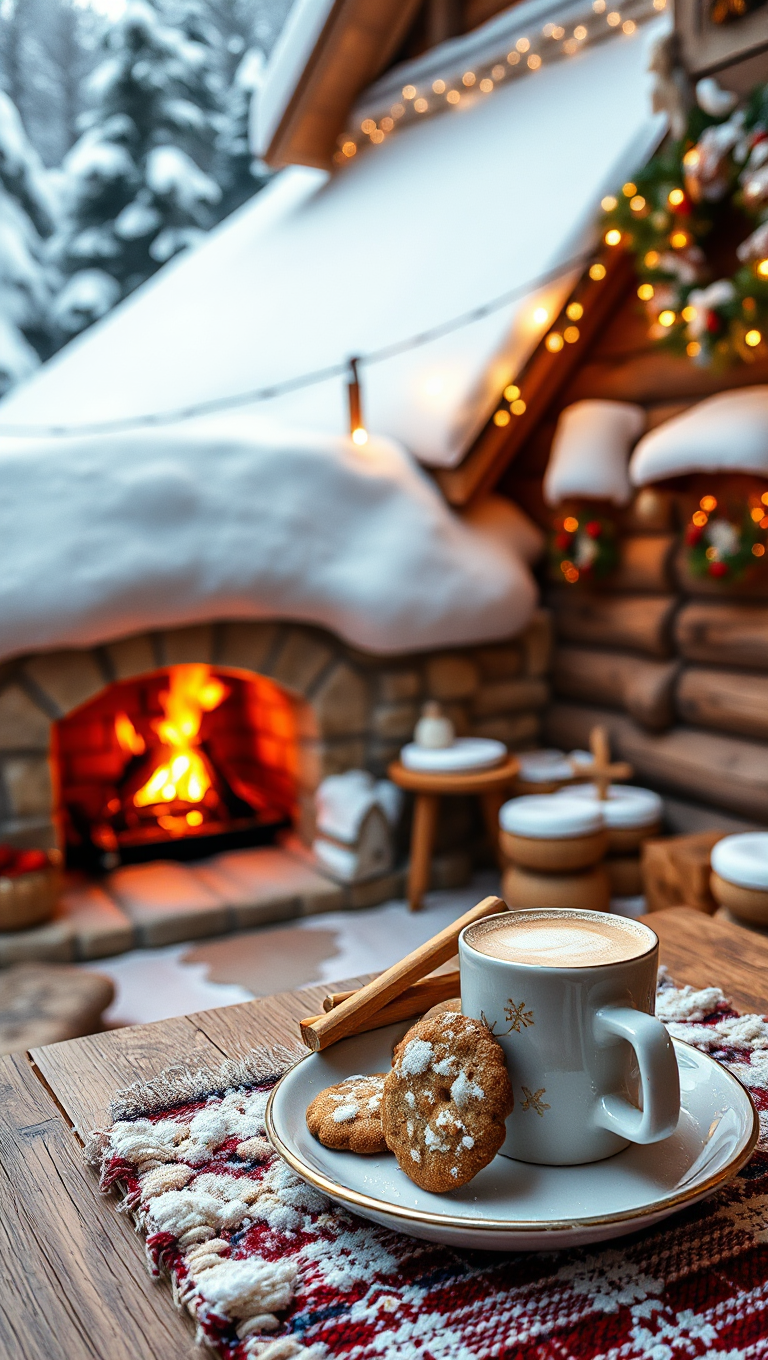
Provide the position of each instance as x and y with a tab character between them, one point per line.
444	21
729	701
724	633
727	772
357	42
641	623
542	379
643	687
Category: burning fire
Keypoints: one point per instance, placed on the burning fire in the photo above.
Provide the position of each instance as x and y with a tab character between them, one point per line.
129	739
181	773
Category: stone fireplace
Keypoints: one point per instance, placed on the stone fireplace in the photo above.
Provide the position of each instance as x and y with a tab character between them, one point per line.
289	704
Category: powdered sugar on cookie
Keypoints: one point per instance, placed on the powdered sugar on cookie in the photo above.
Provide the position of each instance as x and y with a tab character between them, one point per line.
446	1101
348	1116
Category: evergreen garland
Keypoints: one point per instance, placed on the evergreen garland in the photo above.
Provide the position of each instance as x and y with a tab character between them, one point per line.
726	543
715	176
584	548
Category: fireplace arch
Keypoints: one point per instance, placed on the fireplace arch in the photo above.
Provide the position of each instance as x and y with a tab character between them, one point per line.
182	762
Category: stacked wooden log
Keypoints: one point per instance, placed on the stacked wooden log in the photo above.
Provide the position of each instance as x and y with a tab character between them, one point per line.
675	668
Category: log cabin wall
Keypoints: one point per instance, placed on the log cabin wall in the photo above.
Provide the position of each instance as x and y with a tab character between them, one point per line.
677	668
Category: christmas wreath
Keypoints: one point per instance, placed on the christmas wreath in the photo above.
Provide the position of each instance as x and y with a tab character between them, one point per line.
724	544
583	549
715	176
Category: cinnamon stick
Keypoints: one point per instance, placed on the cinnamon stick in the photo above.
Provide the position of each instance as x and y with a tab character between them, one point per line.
425	991
413	1001
349	1016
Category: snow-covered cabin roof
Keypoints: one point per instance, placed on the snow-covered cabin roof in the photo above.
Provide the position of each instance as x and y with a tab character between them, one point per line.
446	215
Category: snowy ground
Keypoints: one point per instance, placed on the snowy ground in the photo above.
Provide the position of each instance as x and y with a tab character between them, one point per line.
154	984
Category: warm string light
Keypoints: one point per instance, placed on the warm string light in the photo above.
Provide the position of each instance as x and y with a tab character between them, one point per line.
529	53
554	341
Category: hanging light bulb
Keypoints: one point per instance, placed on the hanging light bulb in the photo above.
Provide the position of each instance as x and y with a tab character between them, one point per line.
357	429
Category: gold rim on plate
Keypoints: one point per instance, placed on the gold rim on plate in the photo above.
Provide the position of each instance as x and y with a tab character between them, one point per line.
356	1200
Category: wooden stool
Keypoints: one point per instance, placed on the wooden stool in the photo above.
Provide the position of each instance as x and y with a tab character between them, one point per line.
490	786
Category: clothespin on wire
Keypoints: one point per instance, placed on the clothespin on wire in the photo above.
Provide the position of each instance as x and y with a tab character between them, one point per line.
357	428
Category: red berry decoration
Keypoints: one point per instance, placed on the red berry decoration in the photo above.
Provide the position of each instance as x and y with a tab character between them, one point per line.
730	545
582	546
14	863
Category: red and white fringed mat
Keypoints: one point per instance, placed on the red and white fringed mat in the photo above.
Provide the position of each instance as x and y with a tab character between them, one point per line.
271	1269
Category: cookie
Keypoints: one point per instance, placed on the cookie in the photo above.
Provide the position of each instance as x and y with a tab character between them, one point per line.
348	1116
442	1006
446	1101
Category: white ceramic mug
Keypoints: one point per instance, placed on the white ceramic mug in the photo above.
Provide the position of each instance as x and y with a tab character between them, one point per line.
592	1069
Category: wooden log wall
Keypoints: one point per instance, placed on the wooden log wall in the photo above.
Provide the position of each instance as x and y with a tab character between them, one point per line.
677	666
681	682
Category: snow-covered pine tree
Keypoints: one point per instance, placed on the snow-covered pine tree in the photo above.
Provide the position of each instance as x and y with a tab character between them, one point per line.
136	187
26	215
239	175
229	28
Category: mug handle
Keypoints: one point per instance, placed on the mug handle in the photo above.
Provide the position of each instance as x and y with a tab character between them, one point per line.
659	1076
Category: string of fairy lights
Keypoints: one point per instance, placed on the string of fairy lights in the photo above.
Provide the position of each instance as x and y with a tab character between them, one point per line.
566	332
528	53
344	368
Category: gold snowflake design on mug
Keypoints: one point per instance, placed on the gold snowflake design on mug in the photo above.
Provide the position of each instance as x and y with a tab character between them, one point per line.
533	1100
519	1019
518	1016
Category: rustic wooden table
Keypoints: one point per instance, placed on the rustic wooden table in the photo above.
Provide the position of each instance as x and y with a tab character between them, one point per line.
73	1283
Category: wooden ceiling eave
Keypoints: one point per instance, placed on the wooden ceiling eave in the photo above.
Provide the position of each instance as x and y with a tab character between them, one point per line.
540	382
358	40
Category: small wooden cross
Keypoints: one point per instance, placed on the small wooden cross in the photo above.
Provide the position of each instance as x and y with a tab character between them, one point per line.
601	771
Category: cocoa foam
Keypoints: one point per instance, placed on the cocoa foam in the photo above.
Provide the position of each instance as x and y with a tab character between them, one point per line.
549	942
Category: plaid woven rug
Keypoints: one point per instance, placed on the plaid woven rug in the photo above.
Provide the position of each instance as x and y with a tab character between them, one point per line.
270	1268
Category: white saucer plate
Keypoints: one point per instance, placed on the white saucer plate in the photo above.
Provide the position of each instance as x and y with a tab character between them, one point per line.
515	1206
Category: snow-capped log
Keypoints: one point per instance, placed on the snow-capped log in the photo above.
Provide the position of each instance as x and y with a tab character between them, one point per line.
590	451
724	433
224	518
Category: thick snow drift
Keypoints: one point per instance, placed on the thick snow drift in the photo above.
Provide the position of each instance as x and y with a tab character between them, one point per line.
443	217
222	519
724	433
590	451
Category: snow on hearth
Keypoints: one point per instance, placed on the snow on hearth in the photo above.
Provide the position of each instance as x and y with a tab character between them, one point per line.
229	518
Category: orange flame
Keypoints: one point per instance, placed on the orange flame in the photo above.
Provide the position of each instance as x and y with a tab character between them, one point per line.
182	774
128	738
